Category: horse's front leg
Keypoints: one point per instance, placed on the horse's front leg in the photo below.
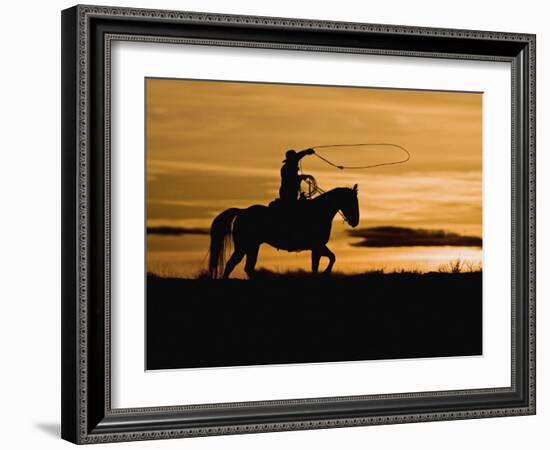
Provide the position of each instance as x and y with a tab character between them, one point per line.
331	258
315	257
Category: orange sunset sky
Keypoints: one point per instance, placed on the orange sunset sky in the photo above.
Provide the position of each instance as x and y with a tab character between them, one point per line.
213	145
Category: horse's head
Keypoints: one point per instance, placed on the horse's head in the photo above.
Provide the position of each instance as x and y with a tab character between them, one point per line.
350	207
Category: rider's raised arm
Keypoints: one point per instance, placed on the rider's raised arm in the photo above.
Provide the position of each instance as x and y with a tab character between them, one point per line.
303	153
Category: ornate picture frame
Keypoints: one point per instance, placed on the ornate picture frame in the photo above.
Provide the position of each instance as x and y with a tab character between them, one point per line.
88	33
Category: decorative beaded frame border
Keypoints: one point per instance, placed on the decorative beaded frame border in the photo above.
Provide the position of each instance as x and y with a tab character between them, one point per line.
84	14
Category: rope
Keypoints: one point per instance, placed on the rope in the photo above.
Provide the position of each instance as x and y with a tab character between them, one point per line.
383	144
314	188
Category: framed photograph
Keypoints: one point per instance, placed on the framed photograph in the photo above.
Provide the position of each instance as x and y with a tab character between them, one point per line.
278	224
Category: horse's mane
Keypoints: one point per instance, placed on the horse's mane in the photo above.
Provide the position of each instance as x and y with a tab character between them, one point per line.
330	193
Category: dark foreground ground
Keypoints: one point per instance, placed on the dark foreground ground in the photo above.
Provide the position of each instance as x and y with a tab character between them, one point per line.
276	320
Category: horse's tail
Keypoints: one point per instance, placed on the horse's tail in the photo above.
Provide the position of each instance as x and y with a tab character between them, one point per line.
220	240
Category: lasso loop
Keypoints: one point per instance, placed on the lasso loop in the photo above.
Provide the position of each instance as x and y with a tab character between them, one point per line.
383	144
313	187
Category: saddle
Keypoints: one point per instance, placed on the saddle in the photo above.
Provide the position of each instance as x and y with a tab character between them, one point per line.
298	204
288	216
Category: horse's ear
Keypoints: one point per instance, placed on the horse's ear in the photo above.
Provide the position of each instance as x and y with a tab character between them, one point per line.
355	187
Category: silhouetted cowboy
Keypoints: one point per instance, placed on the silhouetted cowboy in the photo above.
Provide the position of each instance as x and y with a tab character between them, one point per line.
290	178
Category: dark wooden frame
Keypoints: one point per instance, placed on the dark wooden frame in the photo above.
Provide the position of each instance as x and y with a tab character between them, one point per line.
87	31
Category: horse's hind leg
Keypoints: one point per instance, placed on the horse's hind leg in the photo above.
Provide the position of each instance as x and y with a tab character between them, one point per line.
251	258
235	259
315	257
331	258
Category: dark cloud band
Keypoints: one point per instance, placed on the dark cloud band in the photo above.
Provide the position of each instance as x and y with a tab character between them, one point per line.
176	231
411	237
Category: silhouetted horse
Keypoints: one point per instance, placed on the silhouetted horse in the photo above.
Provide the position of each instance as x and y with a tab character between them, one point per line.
303	226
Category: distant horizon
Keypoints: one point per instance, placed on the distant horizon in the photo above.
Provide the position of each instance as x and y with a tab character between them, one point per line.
453	267
212	145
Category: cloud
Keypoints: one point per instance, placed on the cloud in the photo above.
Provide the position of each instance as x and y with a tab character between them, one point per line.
162	167
388	236
177	231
